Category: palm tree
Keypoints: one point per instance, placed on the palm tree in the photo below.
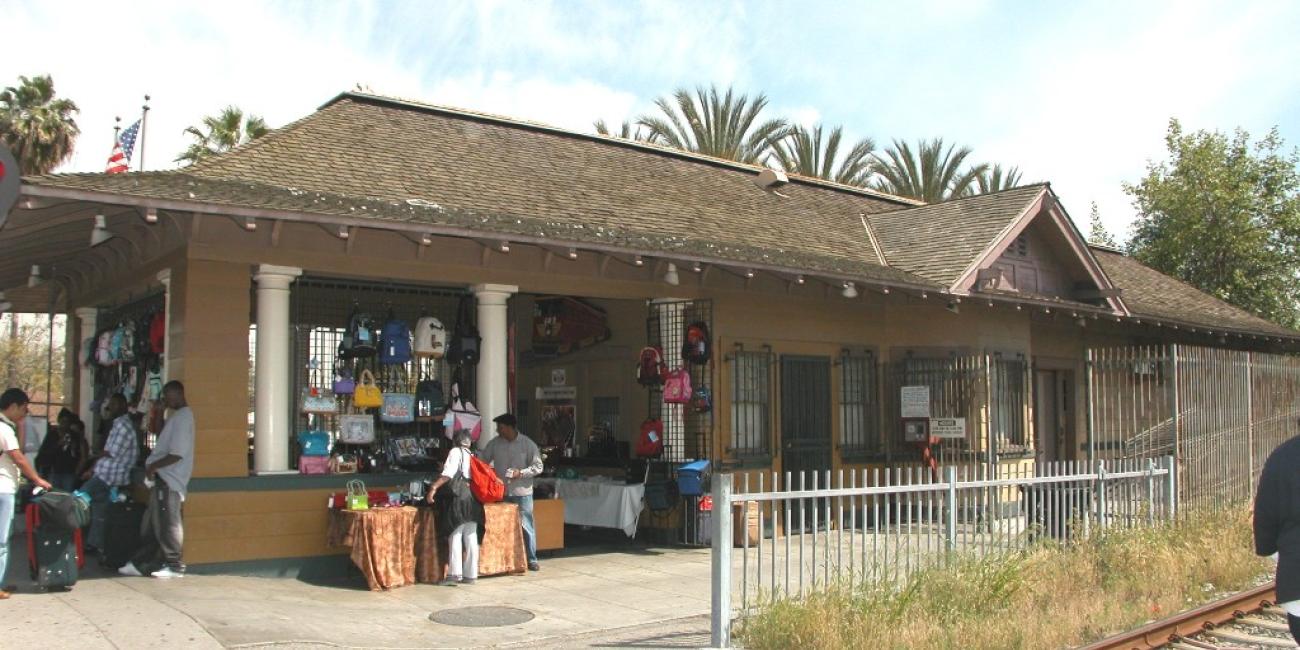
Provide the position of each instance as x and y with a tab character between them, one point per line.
221	133
627	131
996	179
930	173
720	125
37	127
801	151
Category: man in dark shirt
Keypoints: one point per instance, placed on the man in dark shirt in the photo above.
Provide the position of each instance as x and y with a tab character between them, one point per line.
1277	525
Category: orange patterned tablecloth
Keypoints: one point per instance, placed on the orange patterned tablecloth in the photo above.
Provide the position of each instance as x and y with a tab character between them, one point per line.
382	541
394	547
502	551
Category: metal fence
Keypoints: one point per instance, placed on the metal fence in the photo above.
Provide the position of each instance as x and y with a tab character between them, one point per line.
794	534
1220	412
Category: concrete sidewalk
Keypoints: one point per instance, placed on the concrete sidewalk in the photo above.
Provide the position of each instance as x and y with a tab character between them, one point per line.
609	597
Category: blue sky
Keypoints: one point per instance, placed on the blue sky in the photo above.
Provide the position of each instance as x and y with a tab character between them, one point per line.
1077	93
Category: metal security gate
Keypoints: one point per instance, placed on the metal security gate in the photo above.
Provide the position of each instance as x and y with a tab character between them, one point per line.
805	422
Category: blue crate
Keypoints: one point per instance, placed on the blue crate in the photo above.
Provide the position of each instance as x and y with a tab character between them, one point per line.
691	478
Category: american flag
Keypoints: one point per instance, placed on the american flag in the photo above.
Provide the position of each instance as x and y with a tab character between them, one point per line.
121	158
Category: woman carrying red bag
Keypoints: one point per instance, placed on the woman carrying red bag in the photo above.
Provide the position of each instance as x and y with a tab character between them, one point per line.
459	514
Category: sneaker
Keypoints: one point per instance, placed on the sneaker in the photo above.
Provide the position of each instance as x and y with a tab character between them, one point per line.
168	572
534	566
129	569
468	581
448	582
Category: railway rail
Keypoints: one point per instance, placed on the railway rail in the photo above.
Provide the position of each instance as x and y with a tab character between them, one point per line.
1245	620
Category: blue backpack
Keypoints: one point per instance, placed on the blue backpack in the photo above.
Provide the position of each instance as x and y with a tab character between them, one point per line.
396	347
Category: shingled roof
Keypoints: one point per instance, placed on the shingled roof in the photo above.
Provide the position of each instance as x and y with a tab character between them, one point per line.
1150	293
939	241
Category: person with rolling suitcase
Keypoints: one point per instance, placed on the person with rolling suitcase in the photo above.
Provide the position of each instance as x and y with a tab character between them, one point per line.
13	464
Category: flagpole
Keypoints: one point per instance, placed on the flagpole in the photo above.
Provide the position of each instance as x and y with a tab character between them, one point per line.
117	128
144	117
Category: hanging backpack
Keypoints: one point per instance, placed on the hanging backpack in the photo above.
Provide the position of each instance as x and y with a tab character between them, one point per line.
124	342
359	339
484	482
696	345
157	332
677	388
650	444
153	385
143	346
702	399
104	348
651	369
465	343
430	338
429	399
396	347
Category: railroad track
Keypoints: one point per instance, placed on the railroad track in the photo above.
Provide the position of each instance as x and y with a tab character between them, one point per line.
1246	620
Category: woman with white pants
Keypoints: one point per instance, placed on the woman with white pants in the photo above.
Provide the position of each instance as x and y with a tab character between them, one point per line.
459	515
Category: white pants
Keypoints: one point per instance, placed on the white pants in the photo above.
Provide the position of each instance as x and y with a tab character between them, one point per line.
463	551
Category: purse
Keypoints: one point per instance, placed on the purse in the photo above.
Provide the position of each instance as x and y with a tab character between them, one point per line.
343	464
429	401
356	429
677	388
367	395
464	416
398	408
358	499
344	383
314	464
315	400
314	443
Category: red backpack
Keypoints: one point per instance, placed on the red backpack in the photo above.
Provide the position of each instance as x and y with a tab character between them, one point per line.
157	332
484	482
651	442
651	369
696	346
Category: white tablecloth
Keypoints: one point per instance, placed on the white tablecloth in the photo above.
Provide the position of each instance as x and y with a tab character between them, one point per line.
601	503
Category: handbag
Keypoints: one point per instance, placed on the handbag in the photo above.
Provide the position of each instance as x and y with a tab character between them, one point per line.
358	499
465	343
406	449
343	464
344	383
429	400
367	395
315	400
677	388
356	429
464	416
314	464
398	408
314	443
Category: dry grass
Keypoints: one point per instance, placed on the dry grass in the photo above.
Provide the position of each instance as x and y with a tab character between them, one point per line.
1050	597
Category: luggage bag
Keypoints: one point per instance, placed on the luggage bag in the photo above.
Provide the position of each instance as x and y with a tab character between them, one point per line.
55	552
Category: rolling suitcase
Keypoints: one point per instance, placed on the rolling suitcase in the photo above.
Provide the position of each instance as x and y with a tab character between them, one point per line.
122	532
55	552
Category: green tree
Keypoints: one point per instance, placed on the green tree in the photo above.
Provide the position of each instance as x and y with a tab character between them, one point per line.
36	126
930	173
222	132
627	131
1097	233
24	360
996	179
723	125
1224	216
802	151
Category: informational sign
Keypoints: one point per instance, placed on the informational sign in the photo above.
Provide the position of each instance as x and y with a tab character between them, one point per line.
557	393
915	401
916	430
559	377
952	428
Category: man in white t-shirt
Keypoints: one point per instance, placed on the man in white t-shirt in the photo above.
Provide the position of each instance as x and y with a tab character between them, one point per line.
13	464
169	467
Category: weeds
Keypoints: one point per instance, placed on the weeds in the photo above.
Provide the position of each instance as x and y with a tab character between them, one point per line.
1048	597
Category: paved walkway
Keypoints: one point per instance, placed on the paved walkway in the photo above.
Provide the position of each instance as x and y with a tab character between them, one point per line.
610	597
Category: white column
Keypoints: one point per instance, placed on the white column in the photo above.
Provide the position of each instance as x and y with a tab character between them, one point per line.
273	381
493	393
85	375
165	277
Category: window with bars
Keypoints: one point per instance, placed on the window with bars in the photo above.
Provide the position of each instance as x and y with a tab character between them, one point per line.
859	405
751	403
1008	379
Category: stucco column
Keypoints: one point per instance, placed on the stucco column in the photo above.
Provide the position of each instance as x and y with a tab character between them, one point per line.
89	318
165	277
493	392
273	380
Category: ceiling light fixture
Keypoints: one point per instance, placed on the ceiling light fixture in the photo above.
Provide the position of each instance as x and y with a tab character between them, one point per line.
573	253
426	239
504	246
884	290
100	233
343	232
638	261
850	290
250	224
749	274
151	215
35	277
697	267
798	279
670	276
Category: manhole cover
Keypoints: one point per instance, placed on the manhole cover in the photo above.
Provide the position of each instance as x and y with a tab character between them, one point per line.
486	616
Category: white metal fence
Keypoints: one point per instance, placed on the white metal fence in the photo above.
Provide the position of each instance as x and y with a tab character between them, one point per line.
793	534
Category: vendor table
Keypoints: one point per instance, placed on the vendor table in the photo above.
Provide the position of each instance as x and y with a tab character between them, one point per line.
604	504
394	547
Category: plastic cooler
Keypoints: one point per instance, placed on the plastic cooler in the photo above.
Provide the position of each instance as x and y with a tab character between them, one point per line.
691	478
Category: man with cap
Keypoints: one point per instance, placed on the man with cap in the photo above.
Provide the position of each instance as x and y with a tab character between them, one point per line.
516	459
